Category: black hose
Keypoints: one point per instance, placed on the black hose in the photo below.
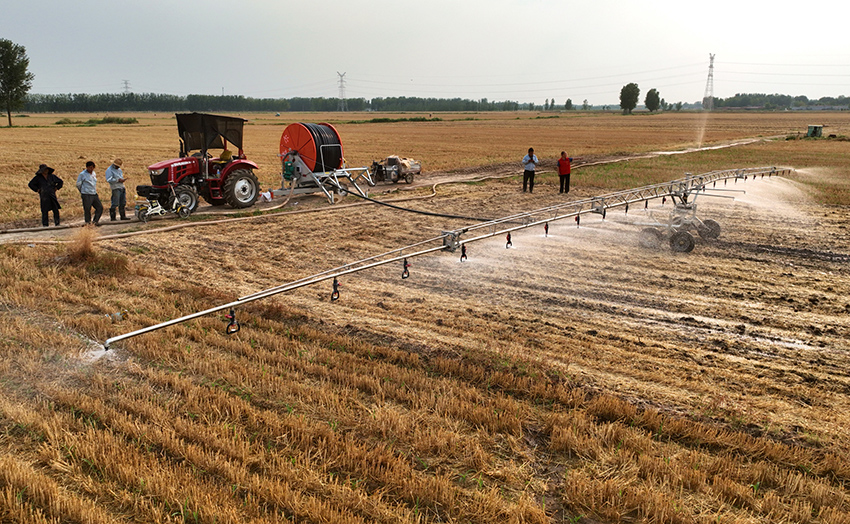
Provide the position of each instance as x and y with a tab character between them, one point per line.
327	158
428	213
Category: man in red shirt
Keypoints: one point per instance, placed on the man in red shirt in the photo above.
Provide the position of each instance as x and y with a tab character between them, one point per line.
564	172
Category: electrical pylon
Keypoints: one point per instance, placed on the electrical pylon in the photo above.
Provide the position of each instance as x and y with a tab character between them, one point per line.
708	98
341	106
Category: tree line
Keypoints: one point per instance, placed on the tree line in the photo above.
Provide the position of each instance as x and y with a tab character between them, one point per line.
777	101
113	102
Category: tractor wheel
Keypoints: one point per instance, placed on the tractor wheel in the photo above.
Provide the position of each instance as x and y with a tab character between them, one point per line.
710	229
241	188
187	196
408	178
682	242
650	238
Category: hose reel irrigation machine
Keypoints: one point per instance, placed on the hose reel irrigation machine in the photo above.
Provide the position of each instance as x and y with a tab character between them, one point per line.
312	160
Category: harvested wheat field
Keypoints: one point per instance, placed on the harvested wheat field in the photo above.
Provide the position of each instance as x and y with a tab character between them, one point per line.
575	377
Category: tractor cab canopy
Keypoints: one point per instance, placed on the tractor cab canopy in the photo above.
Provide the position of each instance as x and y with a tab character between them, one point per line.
201	131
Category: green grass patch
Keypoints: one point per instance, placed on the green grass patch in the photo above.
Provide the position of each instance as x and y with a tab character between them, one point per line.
827	156
68	121
112	120
393	120
97	121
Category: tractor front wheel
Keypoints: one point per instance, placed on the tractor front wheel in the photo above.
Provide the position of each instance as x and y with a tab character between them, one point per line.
187	196
241	188
682	242
408	178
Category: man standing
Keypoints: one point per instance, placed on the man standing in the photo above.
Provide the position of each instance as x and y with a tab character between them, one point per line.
529	162
87	184
564	172
116	179
45	183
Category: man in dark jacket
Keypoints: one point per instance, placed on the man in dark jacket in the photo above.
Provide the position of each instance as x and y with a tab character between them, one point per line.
45	183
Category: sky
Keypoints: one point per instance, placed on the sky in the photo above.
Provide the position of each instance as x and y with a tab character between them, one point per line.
521	50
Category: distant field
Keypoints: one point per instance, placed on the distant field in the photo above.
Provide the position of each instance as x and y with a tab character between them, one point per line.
458	140
576	377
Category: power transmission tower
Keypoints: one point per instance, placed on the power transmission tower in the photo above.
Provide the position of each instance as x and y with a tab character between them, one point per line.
341	106
708	98
126	86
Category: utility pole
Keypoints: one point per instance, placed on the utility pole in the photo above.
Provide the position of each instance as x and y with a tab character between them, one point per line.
126	87
708	98
341	106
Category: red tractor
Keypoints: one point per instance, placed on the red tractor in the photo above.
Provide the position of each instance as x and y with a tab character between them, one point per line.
226	179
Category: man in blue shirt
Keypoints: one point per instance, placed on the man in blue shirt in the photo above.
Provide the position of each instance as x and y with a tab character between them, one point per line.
87	184
116	179
529	162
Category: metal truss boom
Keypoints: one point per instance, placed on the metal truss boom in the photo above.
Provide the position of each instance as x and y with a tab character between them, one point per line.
681	189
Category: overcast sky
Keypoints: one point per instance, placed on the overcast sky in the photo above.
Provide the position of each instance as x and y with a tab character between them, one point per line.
522	50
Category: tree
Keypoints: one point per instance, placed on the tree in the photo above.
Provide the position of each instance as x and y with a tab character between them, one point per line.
629	95
585	105
15	80
678	106
652	100
569	105
546	105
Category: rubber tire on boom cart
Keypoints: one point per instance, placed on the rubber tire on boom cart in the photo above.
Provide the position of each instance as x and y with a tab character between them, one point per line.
710	231
650	238
682	242
241	188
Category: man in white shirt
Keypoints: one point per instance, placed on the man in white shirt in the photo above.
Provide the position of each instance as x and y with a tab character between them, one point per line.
529	162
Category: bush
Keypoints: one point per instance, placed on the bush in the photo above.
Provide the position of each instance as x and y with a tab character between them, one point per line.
112	120
81	247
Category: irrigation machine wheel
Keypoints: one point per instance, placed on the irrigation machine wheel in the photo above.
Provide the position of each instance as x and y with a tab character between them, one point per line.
187	196
184	211
650	238
143	214
710	229
682	242
241	188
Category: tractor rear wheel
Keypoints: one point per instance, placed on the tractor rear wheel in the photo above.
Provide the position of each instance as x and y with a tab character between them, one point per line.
710	229
187	196
241	188
682	242
408	178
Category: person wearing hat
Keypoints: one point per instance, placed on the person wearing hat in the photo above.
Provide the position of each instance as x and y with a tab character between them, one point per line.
116	178
45	183
87	185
